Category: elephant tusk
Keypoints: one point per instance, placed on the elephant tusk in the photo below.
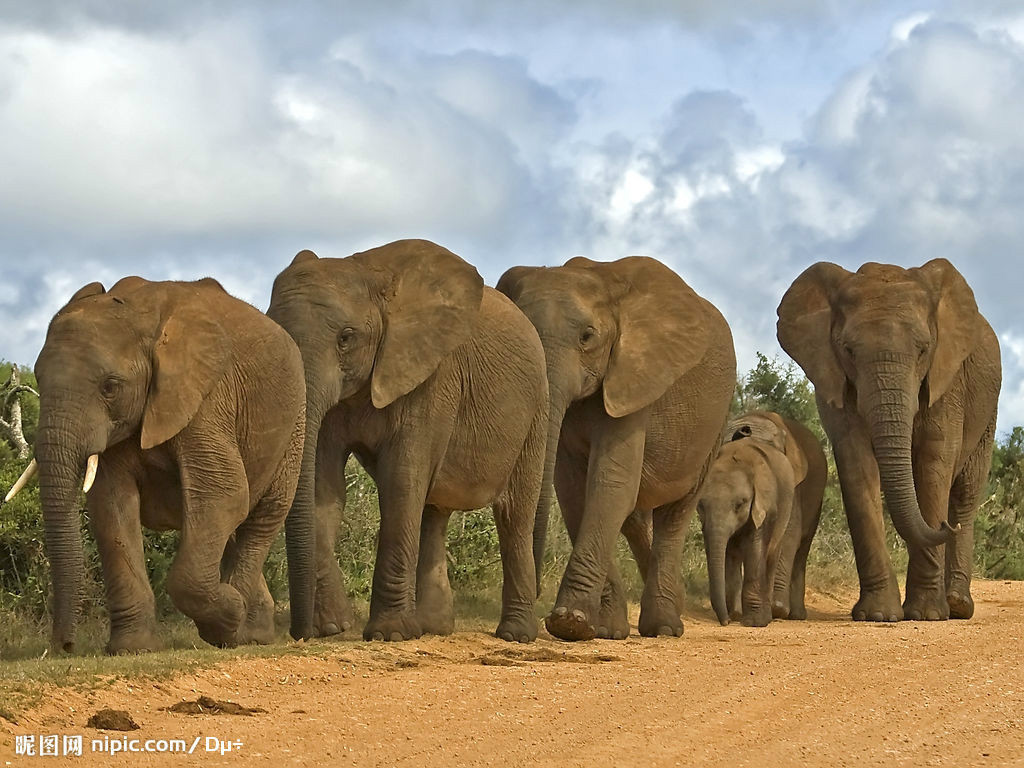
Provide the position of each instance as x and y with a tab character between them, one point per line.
90	472
22	481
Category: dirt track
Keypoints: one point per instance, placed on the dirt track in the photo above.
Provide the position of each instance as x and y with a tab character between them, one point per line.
824	692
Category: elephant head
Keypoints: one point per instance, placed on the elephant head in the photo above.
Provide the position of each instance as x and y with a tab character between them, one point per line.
887	342
742	488
770	428
370	327
132	363
629	328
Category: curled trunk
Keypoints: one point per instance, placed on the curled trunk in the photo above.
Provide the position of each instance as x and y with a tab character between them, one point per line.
891	417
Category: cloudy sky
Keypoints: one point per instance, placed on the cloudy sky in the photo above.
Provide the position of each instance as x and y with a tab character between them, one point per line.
178	140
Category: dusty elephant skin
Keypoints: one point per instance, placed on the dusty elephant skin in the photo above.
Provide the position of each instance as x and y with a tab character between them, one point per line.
193	402
810	470
906	374
641	371
436	385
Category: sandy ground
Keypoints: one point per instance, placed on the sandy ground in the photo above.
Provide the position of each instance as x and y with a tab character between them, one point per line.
821	692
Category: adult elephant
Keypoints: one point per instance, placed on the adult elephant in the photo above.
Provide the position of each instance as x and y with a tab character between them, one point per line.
185	406
436	384
906	374
641	371
810	469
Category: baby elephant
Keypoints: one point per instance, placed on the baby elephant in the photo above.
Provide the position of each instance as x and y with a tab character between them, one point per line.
804	451
744	510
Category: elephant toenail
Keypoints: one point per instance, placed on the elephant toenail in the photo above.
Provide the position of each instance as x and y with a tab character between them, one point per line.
578	614
561	611
331	629
396	637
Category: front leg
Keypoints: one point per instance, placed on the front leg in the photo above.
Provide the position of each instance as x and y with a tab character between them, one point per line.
402	479
862	500
332	611
734	578
114	518
661	601
613	481
215	495
434	605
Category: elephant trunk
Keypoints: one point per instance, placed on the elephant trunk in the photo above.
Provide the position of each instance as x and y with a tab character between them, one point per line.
300	530
559	403
890	409
715	541
61	457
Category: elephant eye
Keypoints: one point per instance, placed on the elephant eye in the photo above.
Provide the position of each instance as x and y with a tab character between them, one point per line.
345	337
849	350
588	335
110	387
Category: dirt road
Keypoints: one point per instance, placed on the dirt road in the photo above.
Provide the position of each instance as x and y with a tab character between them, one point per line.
825	692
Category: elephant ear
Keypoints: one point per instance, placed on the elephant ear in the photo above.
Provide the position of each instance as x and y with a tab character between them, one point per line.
191	356
663	330
764	484
957	322
511	283
805	328
432	302
92	289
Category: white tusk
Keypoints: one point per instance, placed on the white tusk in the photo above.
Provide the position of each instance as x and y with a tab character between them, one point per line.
22	481
90	472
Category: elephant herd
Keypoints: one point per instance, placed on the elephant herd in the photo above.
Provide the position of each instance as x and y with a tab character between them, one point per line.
177	406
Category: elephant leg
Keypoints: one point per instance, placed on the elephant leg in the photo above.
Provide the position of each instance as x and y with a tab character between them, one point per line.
571	489
613	481
935	450
757	611
434	606
734	579
862	500
797	582
332	611
659	605
114	518
251	544
639	531
782	579
216	501
402	481
965	496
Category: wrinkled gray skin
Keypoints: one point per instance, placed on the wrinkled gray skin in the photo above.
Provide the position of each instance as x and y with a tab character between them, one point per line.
744	508
810	470
906	374
436	385
641	371
194	402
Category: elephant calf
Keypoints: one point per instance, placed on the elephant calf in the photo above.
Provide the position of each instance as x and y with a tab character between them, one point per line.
185	406
744	508
810	470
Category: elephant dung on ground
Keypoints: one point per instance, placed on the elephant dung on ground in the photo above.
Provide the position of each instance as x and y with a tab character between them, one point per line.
641	372
436	384
906	373
185	406
810	468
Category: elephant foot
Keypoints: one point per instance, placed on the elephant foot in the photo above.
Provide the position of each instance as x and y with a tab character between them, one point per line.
259	626
332	613
660	619
881	605
136	641
436	621
925	605
958	597
797	612
217	634
521	628
780	609
760	617
612	622
393	627
570	624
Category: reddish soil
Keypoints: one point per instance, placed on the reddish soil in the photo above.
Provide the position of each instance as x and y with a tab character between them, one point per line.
823	692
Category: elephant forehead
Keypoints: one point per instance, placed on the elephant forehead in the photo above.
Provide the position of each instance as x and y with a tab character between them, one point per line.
887	288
